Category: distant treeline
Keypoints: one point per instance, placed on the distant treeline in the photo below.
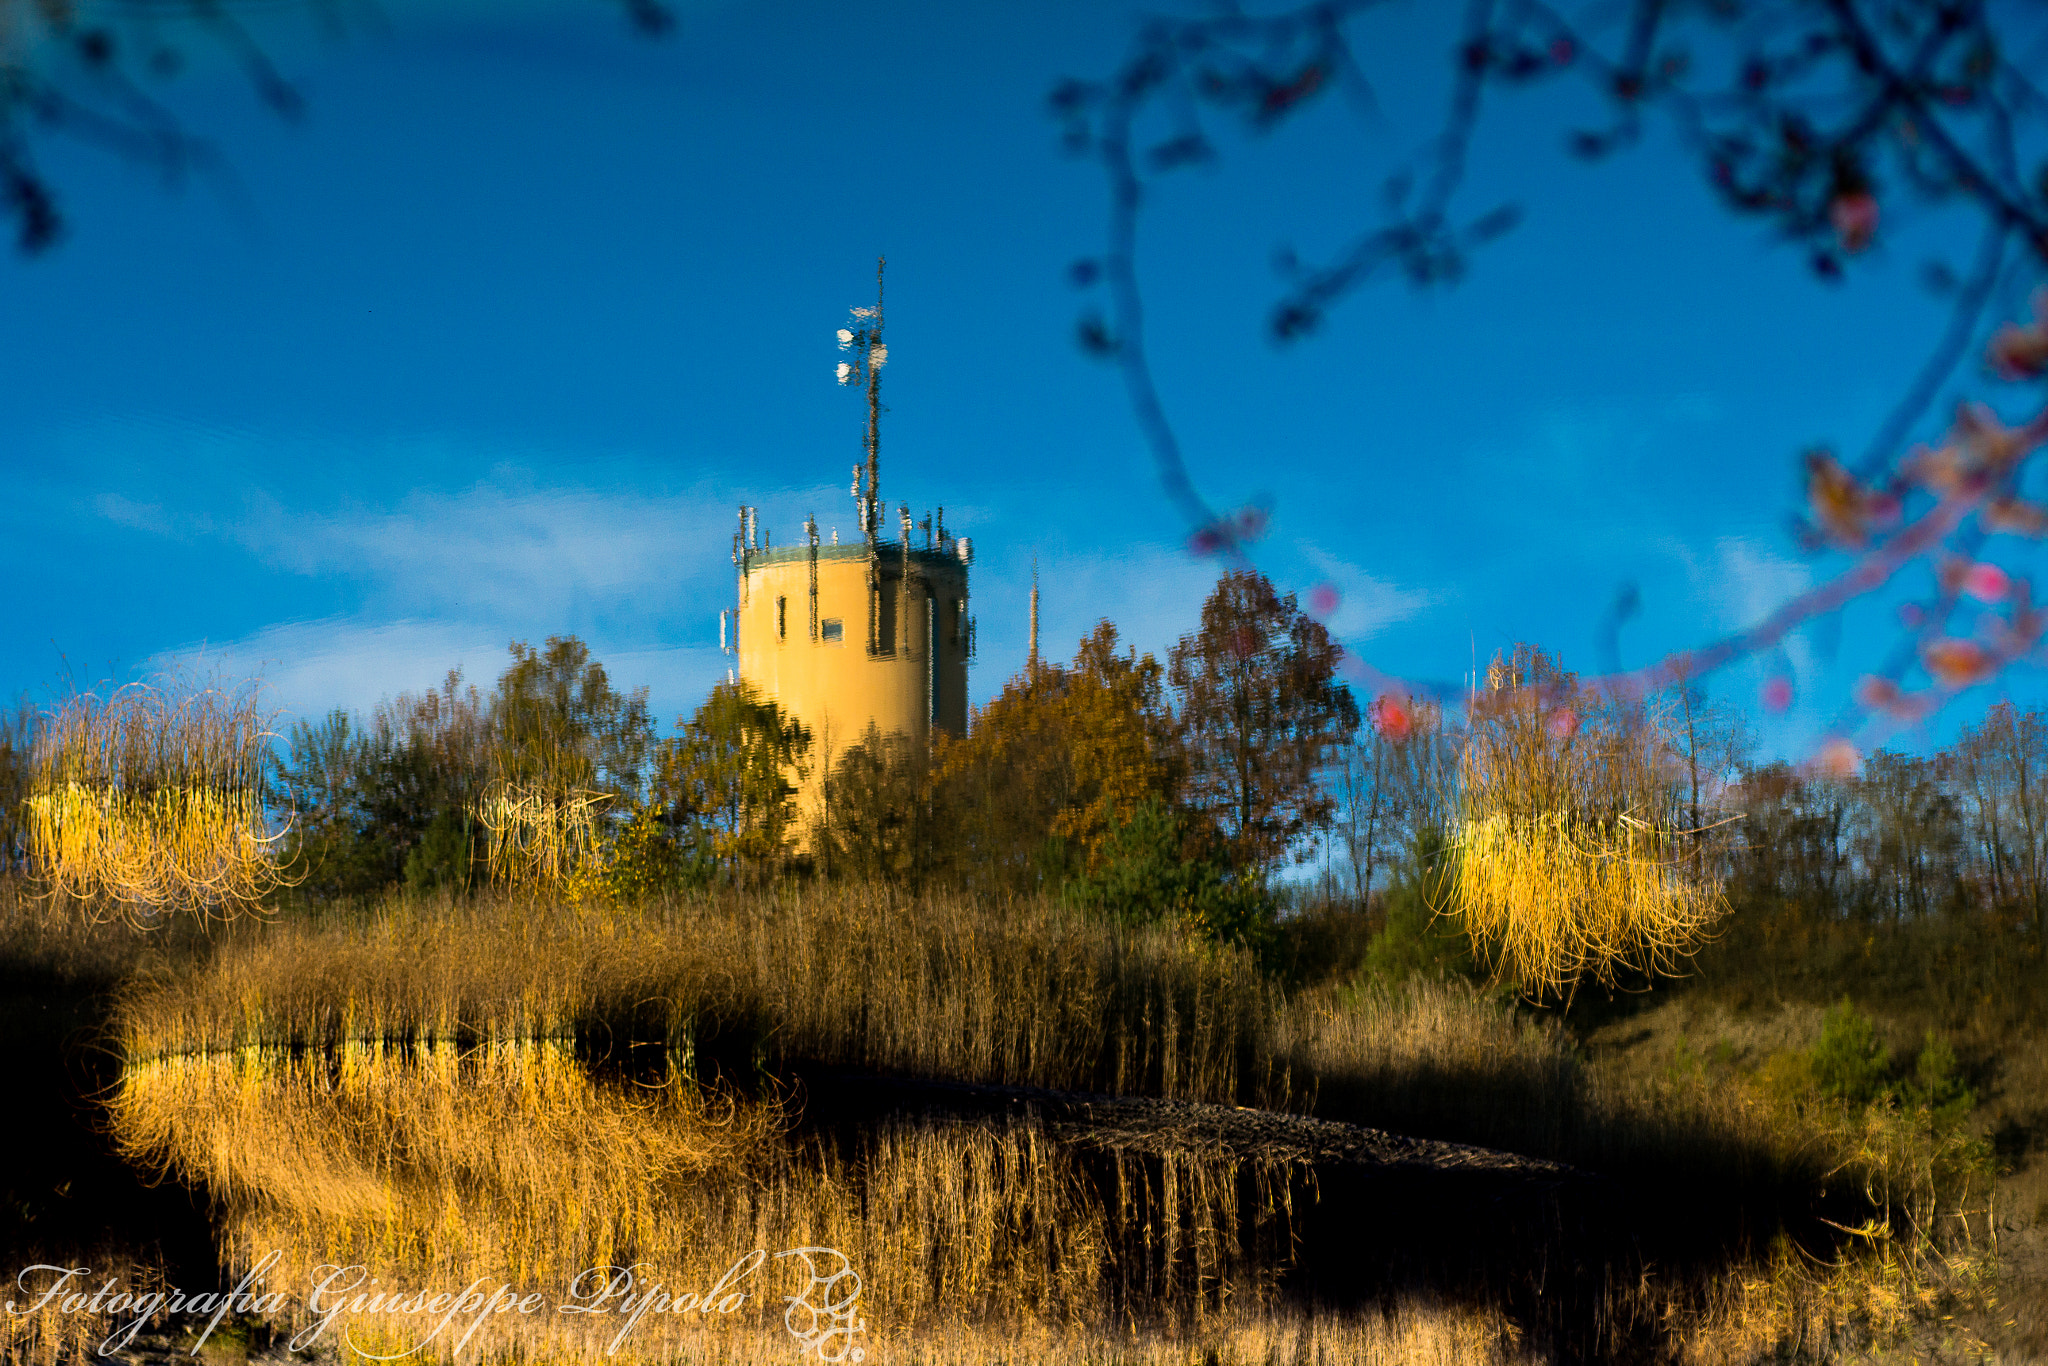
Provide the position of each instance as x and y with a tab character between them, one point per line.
1920	881
1143	787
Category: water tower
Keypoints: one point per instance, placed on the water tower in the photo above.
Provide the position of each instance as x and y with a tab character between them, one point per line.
875	632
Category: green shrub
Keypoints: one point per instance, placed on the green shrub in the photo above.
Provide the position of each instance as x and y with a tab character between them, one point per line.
644	859
1417	940
1150	870
1849	1063
1936	1086
442	856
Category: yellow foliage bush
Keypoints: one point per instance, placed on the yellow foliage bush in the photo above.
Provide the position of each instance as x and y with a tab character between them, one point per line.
1569	862
1557	897
151	801
543	838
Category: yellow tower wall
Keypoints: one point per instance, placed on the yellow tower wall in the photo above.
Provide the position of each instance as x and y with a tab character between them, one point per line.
900	660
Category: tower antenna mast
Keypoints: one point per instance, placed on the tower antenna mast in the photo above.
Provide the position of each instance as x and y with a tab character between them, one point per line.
877	355
863	337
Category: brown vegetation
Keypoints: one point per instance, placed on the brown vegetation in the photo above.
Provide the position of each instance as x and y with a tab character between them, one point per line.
1011	990
408	1075
432	1166
1028	992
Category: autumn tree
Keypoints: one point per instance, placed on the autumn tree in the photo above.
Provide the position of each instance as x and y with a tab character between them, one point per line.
541	770
556	713
568	764
726	784
878	802
17	750
389	798
428	756
1261	715
1034	789
1007	783
1118	734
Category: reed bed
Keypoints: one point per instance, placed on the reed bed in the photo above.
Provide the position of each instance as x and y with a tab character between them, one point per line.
1407	1331
1450	1060
1787	1228
1024	992
431	1167
543	837
1436	1058
1447	1059
43	1333
1725	1181
1018	993
1568	865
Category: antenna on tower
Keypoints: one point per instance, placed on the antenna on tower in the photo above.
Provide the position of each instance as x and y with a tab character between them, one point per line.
863	337
1034	614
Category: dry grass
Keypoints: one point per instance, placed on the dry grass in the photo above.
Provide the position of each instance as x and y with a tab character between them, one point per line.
44	1334
45	939
1725	1174
998	1219
1449	1060
149	802
1436	1058
1406	1332
515	1121
1023	992
432	1167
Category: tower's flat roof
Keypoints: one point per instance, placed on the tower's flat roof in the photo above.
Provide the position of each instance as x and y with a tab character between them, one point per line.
890	551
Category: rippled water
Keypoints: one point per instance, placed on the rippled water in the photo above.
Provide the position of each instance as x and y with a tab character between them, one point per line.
586	1212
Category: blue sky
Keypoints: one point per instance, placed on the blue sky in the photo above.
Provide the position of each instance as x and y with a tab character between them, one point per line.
491	344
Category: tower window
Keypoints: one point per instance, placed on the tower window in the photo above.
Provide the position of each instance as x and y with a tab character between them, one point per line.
832	631
782	618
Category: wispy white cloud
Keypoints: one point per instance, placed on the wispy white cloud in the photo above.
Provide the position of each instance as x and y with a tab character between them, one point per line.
439	577
1747	582
517	544
1739	582
446	578
122	511
1366	604
495	552
310	667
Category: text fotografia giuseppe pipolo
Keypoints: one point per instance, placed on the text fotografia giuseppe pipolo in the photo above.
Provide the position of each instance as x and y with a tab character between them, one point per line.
822	1316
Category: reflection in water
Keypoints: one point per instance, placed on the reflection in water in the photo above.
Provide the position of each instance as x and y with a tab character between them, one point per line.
515	1168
